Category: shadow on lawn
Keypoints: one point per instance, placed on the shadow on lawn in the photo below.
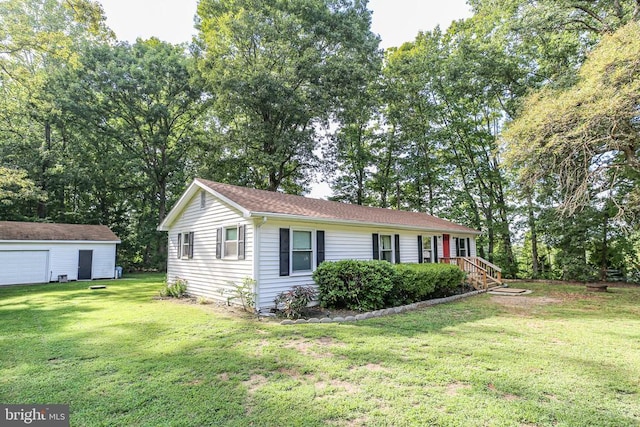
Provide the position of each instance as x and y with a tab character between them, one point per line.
185	365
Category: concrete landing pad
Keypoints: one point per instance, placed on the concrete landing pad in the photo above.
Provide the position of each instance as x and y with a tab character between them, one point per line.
509	291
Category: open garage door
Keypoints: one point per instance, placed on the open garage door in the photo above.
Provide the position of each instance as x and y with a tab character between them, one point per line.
19	267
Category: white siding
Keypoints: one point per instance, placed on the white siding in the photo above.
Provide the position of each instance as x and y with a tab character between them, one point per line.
341	242
63	258
205	275
214	278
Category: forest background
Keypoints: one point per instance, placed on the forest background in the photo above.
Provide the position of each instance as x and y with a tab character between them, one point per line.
521	121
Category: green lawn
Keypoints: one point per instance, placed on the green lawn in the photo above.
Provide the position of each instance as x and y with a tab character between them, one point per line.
119	357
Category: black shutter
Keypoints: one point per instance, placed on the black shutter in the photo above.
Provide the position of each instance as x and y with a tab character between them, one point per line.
179	245
397	244
319	247
242	231
434	248
420	258
455	242
191	244
468	247
284	251
376	247
219	243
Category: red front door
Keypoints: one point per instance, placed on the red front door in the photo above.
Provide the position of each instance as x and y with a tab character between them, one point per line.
445	246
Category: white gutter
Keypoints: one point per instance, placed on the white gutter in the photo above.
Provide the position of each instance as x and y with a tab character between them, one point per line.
360	223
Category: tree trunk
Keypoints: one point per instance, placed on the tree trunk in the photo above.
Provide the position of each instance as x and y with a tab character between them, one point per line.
44	184
605	245
534	238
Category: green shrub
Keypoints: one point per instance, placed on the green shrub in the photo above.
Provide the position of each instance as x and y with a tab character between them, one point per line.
419	282
354	285
292	303
175	289
450	277
415	283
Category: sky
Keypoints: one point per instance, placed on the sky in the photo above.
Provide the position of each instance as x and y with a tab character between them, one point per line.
395	21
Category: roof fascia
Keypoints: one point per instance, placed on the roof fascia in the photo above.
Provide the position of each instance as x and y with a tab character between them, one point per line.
361	223
186	196
97	242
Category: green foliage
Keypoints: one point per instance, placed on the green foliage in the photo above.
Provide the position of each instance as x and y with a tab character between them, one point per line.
137	108
394	371
245	292
293	302
419	282
353	284
18	194
279	71
175	289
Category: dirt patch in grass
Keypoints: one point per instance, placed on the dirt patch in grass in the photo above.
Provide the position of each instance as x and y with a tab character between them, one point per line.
454	389
524	301
254	383
316	349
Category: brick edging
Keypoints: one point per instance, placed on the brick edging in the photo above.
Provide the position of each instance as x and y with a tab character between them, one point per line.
383	312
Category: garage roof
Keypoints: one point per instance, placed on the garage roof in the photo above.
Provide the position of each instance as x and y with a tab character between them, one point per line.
28	231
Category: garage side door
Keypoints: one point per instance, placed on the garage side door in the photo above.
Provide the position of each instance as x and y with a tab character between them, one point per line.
19	267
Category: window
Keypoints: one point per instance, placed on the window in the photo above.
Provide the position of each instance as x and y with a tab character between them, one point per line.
185	245
298	251
386	249
203	200
231	242
462	247
426	248
301	251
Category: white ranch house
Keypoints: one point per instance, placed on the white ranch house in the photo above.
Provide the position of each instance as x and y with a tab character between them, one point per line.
33	252
220	234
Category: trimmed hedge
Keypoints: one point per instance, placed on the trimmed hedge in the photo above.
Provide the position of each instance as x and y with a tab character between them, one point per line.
354	285
418	282
372	285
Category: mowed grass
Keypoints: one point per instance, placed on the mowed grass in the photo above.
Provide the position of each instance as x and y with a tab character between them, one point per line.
557	357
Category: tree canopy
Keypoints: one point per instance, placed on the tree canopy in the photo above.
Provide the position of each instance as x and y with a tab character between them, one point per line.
521	121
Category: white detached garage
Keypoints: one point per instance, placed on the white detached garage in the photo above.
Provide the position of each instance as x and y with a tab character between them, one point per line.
32	252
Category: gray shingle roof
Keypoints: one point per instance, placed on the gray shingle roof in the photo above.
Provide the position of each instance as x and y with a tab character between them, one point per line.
268	202
15	230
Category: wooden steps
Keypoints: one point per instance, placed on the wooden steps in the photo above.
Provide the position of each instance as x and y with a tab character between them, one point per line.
481	274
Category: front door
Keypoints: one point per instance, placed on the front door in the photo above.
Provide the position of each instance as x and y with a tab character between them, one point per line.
85	262
446	252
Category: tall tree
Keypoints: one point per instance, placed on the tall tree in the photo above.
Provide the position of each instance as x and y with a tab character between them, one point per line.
277	71
587	135
37	38
144	102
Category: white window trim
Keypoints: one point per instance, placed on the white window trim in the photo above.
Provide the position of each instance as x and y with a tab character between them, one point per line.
224	241
314	252
466	249
185	248
428	238
393	249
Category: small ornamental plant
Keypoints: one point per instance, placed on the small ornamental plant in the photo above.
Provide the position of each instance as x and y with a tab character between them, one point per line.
245	292
292	303
175	289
